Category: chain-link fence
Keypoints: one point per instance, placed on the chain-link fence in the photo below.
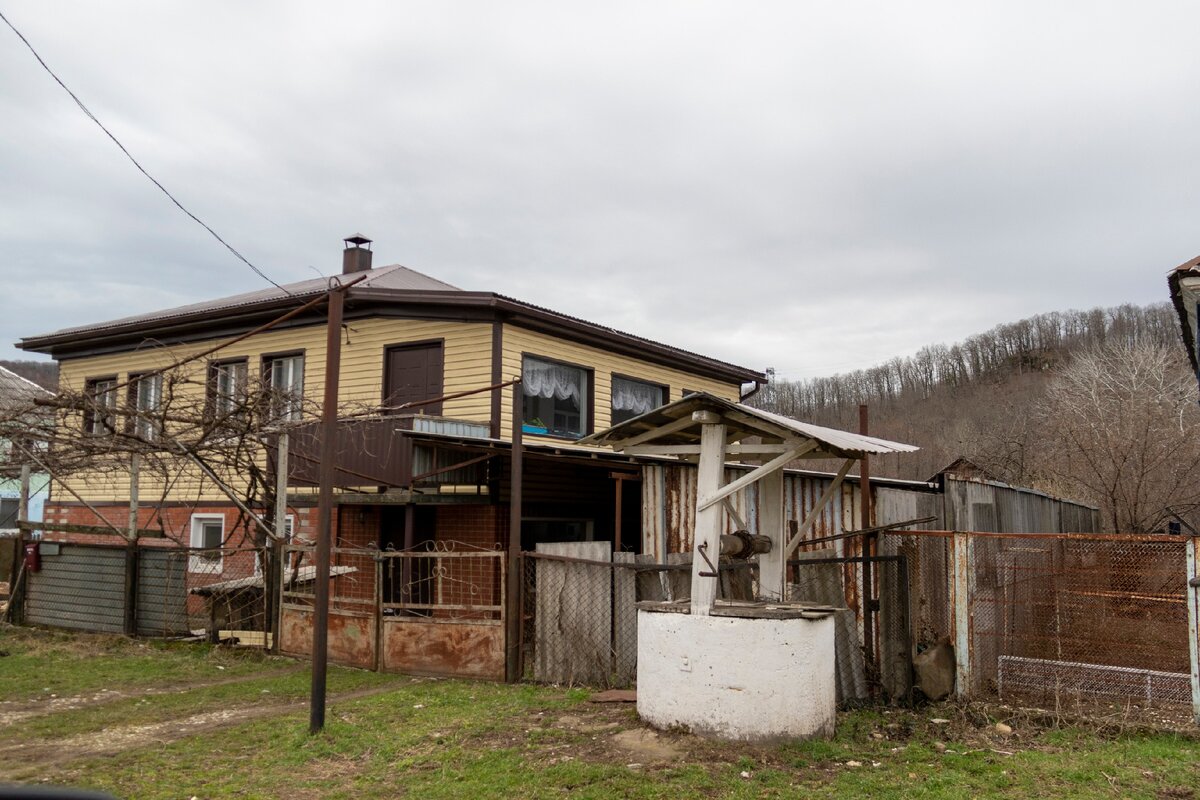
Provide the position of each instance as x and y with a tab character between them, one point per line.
1071	621
579	608
1059	621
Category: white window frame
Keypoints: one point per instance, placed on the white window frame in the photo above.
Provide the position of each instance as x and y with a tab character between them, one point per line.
664	392
235	375
102	394
203	564
147	403
288	399
586	379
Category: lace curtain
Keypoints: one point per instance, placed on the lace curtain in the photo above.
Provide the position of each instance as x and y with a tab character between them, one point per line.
541	379
636	397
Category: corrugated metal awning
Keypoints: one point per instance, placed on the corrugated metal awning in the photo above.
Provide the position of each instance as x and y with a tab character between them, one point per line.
669	425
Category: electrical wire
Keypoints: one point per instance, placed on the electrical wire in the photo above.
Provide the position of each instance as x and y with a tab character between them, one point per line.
129	155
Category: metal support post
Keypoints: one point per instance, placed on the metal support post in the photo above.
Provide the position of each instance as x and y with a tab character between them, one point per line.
333	360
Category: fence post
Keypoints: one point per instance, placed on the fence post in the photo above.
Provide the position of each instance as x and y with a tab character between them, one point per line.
1193	604
131	584
962	614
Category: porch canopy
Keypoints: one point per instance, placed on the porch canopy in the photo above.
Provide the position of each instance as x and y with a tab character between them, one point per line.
710	429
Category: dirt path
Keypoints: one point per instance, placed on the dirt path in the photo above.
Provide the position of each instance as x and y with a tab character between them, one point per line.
35	757
14	711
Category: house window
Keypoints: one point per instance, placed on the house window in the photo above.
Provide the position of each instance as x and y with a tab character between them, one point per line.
285	382
632	398
227	387
8	513
556	398
145	395
99	416
208	536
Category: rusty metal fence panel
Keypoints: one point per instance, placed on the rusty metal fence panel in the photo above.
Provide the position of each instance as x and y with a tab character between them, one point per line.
1074	621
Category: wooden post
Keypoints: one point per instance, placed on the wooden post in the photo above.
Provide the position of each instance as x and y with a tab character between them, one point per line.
281	487
23	499
273	569
513	610
135	466
708	520
772	566
620	484
961	592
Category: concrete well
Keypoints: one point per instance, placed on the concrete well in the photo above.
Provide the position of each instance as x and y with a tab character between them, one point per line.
735	677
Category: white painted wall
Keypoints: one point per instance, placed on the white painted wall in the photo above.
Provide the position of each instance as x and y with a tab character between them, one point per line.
737	679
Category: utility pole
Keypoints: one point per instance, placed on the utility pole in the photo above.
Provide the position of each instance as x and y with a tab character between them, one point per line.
333	363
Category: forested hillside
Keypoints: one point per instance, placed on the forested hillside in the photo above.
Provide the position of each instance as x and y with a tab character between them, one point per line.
1098	406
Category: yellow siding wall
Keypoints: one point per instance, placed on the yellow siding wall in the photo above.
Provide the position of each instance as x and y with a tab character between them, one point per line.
467	351
518	341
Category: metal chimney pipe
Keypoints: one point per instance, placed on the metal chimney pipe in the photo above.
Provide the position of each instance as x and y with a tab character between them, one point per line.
357	255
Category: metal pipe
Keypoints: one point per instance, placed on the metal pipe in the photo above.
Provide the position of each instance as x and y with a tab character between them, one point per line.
333	362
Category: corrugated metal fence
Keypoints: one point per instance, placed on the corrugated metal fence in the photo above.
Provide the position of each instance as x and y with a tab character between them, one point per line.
147	590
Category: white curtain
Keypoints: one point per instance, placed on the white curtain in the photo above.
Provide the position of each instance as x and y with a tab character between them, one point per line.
541	379
634	396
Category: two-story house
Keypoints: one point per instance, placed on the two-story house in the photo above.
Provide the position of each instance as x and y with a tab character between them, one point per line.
435	469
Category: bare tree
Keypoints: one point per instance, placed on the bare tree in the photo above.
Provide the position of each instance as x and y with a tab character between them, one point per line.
1120	427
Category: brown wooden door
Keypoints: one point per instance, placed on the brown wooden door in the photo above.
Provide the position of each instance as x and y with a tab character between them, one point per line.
413	372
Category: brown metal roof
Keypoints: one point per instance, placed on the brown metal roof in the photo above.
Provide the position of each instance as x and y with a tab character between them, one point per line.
390	277
391	287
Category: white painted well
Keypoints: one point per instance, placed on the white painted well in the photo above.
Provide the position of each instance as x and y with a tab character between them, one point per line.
737	678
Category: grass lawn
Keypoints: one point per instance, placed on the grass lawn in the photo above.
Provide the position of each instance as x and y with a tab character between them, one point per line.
181	727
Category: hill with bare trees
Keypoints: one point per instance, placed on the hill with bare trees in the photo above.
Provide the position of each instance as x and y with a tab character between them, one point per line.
1098	406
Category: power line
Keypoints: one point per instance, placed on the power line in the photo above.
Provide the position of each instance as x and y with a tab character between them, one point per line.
129	155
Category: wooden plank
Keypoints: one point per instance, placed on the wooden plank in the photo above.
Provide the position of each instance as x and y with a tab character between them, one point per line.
649	584
679	581
573	622
709	498
624	621
707	537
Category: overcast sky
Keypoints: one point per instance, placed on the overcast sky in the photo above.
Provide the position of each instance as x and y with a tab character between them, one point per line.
811	186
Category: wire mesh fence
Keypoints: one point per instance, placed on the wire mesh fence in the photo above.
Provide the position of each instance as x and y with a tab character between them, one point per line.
353	577
578	616
1068	622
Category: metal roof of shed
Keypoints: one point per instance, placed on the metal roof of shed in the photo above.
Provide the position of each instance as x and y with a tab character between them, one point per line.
750	420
